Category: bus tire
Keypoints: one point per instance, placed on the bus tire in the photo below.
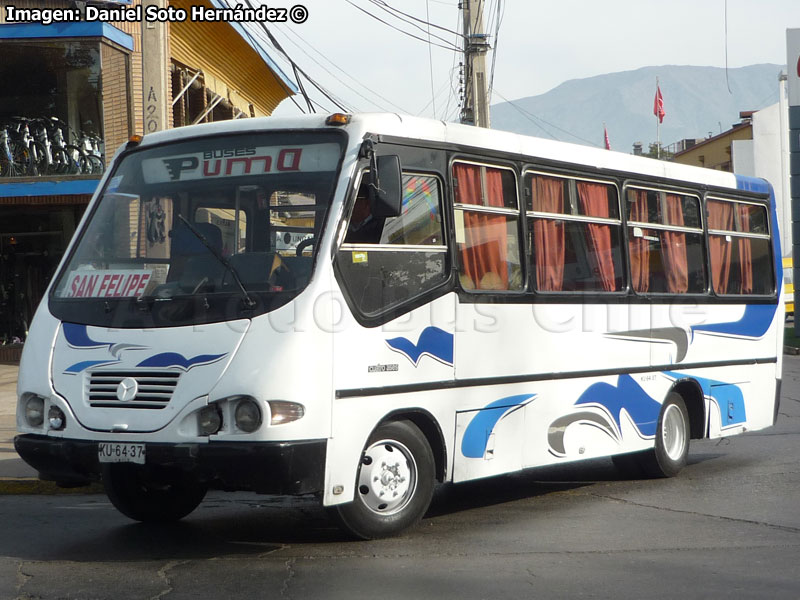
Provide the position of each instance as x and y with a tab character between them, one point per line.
151	497
671	449
395	483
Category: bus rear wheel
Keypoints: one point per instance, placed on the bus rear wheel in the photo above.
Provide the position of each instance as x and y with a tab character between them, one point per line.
671	449
394	485
669	455
151	496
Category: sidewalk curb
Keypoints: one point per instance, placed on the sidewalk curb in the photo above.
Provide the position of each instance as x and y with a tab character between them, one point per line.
791	350
18	486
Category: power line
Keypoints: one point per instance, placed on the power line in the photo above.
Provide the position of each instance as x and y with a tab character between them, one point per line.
387	7
498	21
430	55
530	116
344	72
451	47
298	70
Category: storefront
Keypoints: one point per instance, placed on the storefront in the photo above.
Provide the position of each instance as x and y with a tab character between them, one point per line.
70	95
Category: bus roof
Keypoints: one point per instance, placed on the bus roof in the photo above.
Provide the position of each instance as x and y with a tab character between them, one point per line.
403	126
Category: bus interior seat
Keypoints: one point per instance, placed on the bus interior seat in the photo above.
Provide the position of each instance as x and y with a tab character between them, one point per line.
190	260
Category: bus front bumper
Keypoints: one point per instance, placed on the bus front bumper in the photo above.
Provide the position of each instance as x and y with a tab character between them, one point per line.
264	467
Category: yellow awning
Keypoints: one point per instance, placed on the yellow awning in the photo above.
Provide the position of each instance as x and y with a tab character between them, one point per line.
231	66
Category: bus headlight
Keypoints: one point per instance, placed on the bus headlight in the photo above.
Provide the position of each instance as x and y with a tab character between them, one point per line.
56	418
247	415
209	420
283	412
34	411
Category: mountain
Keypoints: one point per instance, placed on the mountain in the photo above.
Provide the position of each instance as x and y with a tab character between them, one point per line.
697	102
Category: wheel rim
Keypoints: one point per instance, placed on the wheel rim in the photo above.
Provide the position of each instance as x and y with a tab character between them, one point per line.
673	432
388	477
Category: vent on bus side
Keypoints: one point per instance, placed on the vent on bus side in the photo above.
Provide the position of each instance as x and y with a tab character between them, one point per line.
154	389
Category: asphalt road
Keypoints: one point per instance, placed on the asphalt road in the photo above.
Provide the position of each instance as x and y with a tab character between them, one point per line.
727	527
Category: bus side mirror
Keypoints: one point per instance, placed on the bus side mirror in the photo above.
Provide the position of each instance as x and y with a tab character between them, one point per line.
385	190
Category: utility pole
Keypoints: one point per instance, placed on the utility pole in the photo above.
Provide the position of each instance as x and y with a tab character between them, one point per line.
154	70
475	110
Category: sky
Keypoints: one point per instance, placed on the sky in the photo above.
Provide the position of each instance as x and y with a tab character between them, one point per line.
369	66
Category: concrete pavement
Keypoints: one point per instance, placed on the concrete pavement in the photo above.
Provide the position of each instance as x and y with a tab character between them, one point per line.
16	477
15	474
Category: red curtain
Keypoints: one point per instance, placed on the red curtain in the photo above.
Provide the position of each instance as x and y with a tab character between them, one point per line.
720	216
484	255
548	234
745	251
673	247
593	200
639	247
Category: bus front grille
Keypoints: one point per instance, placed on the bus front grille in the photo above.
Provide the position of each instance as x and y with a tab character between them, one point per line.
154	389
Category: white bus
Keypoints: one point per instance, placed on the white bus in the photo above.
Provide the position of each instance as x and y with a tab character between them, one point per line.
459	303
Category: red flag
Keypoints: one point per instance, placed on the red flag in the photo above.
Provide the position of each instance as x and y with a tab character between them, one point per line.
658	105
605	136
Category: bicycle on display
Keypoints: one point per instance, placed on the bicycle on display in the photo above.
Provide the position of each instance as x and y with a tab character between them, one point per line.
15	158
37	147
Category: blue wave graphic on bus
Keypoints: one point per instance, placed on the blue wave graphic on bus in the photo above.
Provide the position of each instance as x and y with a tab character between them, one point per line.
433	342
77	336
727	396
476	436
78	367
755	322
626	395
173	359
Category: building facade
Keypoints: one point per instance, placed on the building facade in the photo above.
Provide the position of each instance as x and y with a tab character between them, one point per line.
70	95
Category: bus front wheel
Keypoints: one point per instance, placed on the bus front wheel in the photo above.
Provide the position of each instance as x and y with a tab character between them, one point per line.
394	485
149	496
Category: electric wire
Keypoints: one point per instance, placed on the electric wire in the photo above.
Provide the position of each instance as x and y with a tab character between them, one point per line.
299	71
727	81
534	118
388	7
498	22
289	30
451	47
430	55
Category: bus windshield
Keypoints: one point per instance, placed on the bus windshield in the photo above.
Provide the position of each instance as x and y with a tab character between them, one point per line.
212	229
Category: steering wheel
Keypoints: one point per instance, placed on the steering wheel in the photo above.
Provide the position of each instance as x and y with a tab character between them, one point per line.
200	285
303	245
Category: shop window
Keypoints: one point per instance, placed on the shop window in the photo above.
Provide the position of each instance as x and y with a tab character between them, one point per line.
51	110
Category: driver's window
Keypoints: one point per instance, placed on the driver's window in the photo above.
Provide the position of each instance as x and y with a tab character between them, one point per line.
388	263
419	223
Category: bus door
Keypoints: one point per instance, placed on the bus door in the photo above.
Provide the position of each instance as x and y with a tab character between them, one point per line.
397	326
491	333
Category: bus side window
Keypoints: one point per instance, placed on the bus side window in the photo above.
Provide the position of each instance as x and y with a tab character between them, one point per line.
487	227
386	262
739	247
575	229
665	242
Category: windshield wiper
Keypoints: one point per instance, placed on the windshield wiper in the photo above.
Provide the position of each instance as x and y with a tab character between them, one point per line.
248	301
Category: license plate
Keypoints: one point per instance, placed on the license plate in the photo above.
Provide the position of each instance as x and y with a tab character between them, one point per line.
112	452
